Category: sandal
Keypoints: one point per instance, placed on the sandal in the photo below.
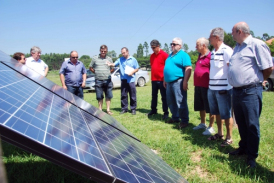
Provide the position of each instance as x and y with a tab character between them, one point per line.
226	142
216	137
109	113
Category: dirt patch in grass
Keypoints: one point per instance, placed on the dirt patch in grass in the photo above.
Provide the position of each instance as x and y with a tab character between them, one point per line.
196	156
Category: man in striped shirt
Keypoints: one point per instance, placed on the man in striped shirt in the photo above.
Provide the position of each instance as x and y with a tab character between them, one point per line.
219	93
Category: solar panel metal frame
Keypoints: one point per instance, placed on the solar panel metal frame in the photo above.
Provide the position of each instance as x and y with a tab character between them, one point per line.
54	156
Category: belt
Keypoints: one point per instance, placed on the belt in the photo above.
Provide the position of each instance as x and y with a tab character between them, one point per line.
177	79
247	86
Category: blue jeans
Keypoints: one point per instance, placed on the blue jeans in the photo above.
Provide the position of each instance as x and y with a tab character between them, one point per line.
220	102
158	85
76	91
177	100
247	105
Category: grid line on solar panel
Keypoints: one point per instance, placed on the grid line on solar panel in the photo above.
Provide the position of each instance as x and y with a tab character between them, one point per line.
141	165
54	141
121	147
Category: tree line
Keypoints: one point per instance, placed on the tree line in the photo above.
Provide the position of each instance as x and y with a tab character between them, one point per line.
55	60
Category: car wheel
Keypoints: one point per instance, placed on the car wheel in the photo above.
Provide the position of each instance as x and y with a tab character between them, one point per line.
268	85
141	82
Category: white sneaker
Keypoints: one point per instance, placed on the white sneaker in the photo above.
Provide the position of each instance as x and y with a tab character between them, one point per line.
209	131
200	126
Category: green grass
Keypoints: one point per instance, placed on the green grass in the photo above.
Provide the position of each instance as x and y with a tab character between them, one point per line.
187	151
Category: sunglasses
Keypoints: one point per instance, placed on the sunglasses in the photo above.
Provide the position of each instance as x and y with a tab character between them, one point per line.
153	47
173	44
74	57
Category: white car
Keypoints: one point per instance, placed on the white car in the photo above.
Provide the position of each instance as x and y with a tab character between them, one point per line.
270	80
142	77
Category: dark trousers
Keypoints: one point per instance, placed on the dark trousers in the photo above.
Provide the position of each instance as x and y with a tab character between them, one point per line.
76	91
247	104
125	89
158	85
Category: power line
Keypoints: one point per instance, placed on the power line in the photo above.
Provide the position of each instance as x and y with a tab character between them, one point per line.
145	21
170	19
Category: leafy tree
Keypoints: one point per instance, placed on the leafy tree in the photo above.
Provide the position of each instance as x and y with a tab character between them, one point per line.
166	49
135	55
193	56
265	37
140	52
145	46
228	40
160	45
111	54
252	33
185	47
271	47
84	57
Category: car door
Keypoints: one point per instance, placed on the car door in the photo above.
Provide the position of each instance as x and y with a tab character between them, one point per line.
116	78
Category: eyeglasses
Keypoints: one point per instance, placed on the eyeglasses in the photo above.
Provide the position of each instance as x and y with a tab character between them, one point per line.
103	51
173	44
74	57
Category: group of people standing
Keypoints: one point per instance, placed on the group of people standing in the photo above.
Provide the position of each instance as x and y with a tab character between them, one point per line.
224	78
229	78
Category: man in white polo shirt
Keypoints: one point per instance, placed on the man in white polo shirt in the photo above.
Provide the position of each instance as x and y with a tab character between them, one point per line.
220	91
35	63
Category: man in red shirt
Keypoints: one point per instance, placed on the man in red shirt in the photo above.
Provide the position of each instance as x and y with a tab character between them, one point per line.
157	62
201	83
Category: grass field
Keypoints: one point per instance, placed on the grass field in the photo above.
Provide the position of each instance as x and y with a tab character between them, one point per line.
187	151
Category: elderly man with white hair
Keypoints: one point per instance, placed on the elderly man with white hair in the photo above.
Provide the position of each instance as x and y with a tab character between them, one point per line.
177	72
35	63
201	82
249	66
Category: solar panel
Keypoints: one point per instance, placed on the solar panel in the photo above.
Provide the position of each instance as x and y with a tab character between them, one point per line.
43	118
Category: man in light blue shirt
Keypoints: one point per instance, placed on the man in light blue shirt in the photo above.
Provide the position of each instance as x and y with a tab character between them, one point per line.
73	75
249	66
177	72
128	67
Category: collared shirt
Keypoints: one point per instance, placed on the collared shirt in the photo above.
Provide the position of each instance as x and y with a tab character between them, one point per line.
175	66
248	61
219	68
157	63
102	70
38	66
201	72
73	73
122	62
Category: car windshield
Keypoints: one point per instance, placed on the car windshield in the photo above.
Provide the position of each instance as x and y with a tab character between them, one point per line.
90	74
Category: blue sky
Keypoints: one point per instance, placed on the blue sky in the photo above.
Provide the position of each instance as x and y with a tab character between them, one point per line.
61	26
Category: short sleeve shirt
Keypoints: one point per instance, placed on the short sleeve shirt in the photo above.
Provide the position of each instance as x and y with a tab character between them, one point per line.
219	68
201	72
73	73
175	66
157	63
248	61
38	66
131	62
102	70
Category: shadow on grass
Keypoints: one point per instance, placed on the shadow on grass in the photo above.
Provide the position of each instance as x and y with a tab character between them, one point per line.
25	170
238	166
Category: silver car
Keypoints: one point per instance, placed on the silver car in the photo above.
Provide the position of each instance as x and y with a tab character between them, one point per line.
270	80
142	77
